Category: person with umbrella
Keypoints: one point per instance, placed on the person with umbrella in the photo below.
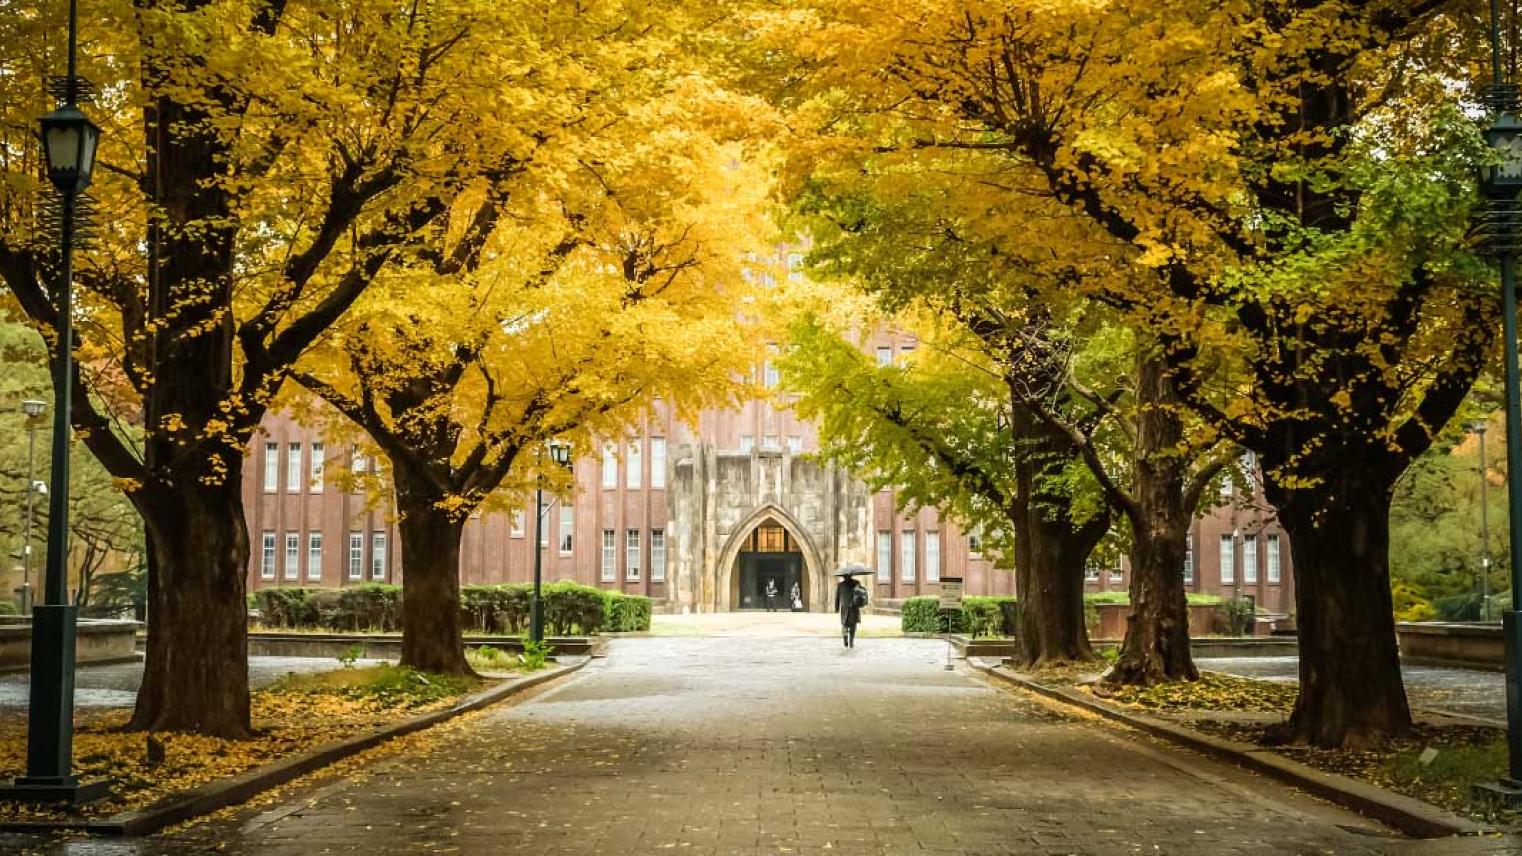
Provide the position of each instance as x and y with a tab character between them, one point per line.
850	599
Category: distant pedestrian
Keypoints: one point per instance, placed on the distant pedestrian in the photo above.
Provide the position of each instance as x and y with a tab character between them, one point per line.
797	598
771	595
850	599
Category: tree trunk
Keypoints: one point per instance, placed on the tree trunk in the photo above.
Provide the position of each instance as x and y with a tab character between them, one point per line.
1156	648
1051	549
431	636
195	677
1351	691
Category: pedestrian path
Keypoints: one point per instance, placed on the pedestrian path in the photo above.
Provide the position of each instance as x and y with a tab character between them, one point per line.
768	745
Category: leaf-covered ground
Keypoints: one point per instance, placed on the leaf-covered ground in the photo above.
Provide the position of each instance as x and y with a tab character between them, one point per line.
1211	692
296	715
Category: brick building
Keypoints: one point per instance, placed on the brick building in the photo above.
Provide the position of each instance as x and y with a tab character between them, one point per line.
699	517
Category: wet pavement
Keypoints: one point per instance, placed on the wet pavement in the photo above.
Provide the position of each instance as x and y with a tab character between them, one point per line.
116	685
786	746
1465	692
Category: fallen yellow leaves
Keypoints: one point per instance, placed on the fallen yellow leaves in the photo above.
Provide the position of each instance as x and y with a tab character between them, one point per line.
287	723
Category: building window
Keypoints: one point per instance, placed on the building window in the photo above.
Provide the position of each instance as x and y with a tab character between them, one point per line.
631	555
567	529
904	353
975	541
1117	573
1189	560
609	555
906	556
795	444
1250	559
314	469
884	556
657	555
377	555
1228	560
932	556
771	442
1091	571
267	558
293	555
356	555
358	463
314	556
540	528
769	374
1273	559
632	467
884	356
271	467
747	442
293	468
609	465
658	462
517	523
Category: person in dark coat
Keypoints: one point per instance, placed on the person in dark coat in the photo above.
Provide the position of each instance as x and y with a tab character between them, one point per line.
848	603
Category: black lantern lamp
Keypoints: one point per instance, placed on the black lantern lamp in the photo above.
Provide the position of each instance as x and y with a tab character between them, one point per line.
560	452
68	141
1503	177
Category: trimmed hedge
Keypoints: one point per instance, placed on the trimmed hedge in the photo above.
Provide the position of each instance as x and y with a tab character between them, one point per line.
979	616
569	608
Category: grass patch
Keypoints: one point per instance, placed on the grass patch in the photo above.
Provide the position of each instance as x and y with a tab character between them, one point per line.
388	685
1210	692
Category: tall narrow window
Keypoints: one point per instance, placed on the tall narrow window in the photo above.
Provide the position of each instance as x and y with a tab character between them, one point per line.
906	555
271	467
658	462
1189	560
632	467
771	442
770	376
1273	560
975	541
609	555
567	529
517	523
377	555
631	555
267	557
314	469
884	356
356	555
314	556
1250	559
1228	560
795	444
1117	572
541	525
932	556
657	555
609	465
747	442
293	468
884	556
293	555
358	462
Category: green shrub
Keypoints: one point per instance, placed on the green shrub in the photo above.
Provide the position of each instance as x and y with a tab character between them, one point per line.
979	616
285	606
9	608
372	606
626	613
495	609
1239	615
571	608
534	655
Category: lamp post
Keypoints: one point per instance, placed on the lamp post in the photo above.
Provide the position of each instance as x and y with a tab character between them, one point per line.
33	409
68	143
560	454
1477	428
1501	229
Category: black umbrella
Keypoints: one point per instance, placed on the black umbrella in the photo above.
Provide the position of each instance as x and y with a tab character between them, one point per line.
855	571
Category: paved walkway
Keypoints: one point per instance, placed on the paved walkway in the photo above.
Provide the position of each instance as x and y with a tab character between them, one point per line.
786	746
1466	692
115	685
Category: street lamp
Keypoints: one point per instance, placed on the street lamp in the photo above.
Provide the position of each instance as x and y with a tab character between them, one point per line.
69	141
1477	428
1501	229
560	455
33	409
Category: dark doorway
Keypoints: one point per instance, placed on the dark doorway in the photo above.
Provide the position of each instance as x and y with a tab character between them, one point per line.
769	556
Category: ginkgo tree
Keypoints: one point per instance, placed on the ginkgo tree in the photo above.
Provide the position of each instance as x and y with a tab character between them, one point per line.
261	164
566	306
1292	177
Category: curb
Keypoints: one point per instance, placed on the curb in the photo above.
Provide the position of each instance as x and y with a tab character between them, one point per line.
1410	816
242	787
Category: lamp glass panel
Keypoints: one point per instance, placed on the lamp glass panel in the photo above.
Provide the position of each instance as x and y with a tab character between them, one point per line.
62	142
87	153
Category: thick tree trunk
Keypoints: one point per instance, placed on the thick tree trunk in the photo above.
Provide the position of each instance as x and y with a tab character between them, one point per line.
431	636
1351	691
1051	549
195	677
1156	648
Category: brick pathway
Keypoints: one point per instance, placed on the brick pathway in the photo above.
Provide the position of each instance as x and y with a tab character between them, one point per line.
789	746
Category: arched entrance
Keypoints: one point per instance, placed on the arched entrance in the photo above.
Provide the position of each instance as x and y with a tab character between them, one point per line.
769	544
769	570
